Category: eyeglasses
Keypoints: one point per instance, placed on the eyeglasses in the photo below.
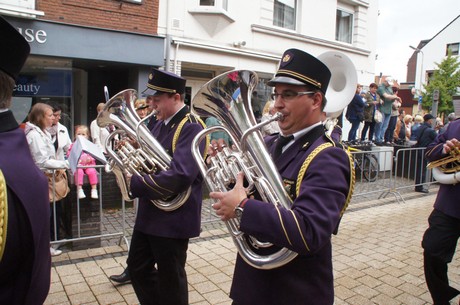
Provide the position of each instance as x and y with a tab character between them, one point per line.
290	94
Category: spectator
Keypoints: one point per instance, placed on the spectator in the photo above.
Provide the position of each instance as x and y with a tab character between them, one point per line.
61	208
385	91
142	109
218	135
85	160
426	135
414	130
267	114
99	134
42	149
395	113
438	125
59	133
355	113
372	104
450	118
401	134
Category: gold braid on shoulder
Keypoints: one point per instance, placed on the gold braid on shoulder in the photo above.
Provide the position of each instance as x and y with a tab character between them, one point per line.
307	162
193	119
3	214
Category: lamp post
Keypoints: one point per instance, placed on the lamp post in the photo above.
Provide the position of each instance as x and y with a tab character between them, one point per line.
417	50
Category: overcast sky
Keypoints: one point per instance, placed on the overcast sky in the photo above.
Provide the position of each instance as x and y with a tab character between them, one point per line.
405	22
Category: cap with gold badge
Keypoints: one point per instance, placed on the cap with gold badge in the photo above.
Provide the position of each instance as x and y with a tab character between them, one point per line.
300	68
165	82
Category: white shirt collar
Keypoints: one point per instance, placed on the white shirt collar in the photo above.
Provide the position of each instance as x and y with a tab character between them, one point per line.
166	122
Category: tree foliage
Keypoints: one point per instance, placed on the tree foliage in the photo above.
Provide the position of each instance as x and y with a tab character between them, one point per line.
446	79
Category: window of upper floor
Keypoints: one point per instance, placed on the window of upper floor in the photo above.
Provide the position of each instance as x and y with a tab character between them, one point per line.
23	8
134	1
344	26
284	14
223	4
453	48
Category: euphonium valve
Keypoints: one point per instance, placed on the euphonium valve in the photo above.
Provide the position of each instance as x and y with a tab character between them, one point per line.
135	151
227	98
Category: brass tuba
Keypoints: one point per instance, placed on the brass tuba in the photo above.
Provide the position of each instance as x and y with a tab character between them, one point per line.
124	158
227	98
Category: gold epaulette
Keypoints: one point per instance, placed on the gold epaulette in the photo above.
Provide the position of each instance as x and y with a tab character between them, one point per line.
307	162
3	214
193	119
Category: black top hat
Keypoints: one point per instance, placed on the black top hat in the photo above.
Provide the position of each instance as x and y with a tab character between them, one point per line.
14	49
164	81
300	68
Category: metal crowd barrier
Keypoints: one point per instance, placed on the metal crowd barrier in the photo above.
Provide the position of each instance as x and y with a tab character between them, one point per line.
398	168
78	237
381	171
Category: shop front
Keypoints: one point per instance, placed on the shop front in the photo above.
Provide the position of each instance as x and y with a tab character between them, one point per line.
70	65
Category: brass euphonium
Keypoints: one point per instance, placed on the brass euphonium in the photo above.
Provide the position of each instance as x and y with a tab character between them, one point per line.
227	98
447	169
125	159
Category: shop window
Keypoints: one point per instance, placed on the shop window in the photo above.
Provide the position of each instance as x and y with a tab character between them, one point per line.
344	26
453	48
284	14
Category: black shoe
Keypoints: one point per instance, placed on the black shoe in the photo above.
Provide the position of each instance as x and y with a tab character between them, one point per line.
122	278
422	190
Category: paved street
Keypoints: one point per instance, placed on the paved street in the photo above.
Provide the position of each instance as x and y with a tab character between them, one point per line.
377	260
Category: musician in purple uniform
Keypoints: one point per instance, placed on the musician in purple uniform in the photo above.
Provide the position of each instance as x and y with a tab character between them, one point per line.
300	85
25	262
161	237
440	239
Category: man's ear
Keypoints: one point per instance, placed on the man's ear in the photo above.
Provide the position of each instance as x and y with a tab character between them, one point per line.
317	100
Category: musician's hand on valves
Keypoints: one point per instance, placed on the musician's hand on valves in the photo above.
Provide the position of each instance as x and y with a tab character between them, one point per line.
226	202
452	145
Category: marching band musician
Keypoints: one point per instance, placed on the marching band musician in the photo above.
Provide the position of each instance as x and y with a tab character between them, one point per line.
300	85
25	262
162	237
440	239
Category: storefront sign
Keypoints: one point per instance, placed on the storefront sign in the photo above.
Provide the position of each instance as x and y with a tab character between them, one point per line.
31	35
48	83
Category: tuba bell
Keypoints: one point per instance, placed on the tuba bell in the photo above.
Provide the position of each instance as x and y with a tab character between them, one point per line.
342	86
125	158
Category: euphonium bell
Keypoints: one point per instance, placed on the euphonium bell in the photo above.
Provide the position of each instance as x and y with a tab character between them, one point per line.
227	98
125	158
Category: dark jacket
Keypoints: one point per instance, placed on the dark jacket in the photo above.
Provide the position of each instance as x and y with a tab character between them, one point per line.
448	194
355	109
183	173
25	268
305	229
426	135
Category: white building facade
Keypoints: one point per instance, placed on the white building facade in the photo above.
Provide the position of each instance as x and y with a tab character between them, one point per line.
435	50
205	38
